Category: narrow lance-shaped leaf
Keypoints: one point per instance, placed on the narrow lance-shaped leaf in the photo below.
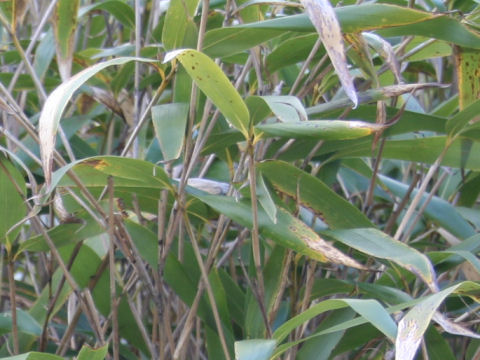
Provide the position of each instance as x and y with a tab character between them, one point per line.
65	24
356	18
12	207
178	20
169	121
56	103
371	310
321	129
385	50
371	95
325	21
25	323
413	325
265	199
34	355
378	244
285	108
88	353
256	349
289	231
214	83
457	122
310	192
119	9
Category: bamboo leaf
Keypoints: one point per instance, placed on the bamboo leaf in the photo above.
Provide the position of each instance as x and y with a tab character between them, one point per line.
321	129
355	18
314	194
122	11
468	113
413	325
25	322
285	108
88	353
213	82
33	355
371	310
178	20
254	349
12	207
378	244
64	25
56	103
288	231
169	122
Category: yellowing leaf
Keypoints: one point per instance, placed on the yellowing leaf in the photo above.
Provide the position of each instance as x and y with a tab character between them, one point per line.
288	231
214	83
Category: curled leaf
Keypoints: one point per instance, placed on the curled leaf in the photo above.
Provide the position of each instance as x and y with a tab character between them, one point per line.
56	103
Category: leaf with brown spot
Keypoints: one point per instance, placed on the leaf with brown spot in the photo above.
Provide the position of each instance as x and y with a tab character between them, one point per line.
288	231
325	21
214	83
56	103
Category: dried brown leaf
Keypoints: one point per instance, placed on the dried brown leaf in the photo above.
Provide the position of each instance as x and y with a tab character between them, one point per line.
323	17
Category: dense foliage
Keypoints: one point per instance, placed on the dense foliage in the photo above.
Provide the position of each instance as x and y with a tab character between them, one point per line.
227	179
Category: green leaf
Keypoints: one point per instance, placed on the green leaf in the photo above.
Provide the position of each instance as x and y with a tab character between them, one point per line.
88	353
44	54
178	20
285	108
145	241
61	235
127	172
265	199
293	50
321	347
122	11
25	323
33	355
424	150
378	244
170	121
368	96
437	346
212	81
439	210
414	324
56	103
253	322
457	122
65	24
321	129
441	27
256	349
314	194
12	206
369	309
288	231
355	18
